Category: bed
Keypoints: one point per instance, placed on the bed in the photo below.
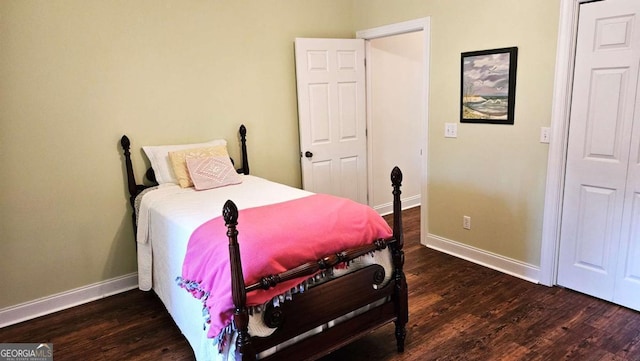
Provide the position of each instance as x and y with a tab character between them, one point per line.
312	308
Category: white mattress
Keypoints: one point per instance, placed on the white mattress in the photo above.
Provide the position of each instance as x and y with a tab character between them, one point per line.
167	217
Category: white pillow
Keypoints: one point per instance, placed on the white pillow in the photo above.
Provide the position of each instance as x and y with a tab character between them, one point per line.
212	172
159	157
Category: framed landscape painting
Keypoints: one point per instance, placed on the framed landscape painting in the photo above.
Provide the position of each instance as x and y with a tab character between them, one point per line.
488	86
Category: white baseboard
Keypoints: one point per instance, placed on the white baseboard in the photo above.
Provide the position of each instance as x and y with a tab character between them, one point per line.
494	261
387	208
60	301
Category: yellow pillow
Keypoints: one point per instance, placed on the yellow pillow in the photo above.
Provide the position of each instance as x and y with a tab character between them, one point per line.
179	163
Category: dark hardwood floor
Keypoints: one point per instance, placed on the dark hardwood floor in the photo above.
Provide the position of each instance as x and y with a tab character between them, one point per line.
458	311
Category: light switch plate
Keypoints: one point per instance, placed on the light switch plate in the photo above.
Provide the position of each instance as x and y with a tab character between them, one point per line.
545	134
450	130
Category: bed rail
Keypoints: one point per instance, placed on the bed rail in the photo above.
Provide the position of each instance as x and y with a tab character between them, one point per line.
325	263
244	346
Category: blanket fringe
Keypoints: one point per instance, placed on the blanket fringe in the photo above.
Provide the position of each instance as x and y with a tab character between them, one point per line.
225	335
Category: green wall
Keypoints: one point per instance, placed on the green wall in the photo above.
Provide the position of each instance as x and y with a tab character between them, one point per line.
494	173
75	75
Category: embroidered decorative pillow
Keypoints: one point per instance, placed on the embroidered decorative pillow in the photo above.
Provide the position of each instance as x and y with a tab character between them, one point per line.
179	165
159	157
212	172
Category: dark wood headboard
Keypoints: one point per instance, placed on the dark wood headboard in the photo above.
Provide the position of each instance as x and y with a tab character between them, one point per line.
135	188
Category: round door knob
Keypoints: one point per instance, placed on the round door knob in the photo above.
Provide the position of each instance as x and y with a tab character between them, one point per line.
308	154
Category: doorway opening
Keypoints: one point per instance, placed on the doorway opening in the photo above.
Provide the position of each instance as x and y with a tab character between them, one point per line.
388	48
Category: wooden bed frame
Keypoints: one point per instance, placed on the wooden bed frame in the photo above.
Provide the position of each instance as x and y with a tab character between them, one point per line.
320	304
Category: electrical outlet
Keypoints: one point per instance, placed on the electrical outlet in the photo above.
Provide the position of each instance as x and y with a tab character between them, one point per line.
450	130
545	134
466	222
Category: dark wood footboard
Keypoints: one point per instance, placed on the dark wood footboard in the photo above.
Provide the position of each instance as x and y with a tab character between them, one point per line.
326	302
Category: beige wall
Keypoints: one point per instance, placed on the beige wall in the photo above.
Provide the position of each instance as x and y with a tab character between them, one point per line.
493	173
76	75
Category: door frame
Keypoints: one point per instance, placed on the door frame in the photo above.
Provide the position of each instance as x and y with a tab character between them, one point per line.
424	25
557	161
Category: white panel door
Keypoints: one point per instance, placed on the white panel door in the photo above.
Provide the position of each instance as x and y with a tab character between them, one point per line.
331	113
627	289
601	208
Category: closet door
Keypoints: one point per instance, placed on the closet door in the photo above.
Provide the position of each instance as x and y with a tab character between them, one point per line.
627	288
600	210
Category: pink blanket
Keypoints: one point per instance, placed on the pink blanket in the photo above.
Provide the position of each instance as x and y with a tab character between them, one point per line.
273	239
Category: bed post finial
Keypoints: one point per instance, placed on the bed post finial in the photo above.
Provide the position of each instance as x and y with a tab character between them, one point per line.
396	176
244	349
243	142
400	295
230	213
125	142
